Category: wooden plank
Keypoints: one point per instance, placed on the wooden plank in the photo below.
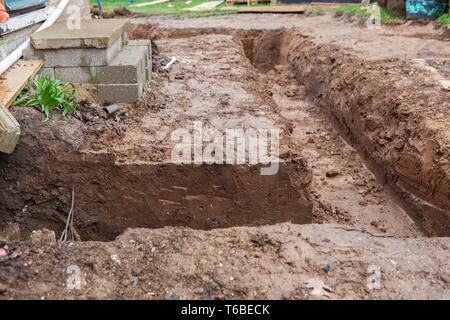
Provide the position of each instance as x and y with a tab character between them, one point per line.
144	4
274	9
16	78
9	130
209	5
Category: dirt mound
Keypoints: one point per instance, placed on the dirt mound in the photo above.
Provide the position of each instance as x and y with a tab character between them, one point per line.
122	12
271	262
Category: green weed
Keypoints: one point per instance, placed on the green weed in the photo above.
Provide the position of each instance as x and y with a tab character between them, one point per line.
91	74
445	19
48	93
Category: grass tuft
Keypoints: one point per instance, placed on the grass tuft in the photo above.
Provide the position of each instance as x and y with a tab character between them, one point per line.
445	19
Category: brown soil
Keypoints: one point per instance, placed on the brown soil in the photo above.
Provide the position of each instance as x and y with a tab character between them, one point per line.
134	174
364	144
267	262
414	168
397	121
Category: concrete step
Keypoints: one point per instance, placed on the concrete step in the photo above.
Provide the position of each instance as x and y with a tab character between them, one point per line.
120	93
128	67
76	57
148	64
98	34
123	80
145	43
98	53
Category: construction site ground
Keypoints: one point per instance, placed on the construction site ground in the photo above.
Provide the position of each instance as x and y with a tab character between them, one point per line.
360	208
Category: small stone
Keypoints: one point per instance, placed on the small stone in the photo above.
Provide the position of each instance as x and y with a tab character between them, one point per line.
319	289
332	174
10	232
44	235
379	225
137	272
445	84
363	203
313	109
445	277
3	288
326	268
115	258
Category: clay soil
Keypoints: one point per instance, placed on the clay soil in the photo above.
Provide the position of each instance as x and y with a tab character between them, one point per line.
363	182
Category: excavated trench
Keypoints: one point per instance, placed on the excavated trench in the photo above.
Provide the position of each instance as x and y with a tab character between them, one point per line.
423	197
131	182
140	187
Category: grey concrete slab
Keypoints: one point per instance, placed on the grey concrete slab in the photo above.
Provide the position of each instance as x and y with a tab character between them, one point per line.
92	34
76	57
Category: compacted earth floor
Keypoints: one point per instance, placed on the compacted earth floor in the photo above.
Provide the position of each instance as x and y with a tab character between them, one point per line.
359	207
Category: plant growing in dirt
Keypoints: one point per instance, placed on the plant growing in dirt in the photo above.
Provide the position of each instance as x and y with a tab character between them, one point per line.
48	93
91	74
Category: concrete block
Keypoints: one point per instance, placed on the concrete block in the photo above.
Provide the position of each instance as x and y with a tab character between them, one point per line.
119	93
73	74
78	57
125	38
47	72
9	131
148	45
127	67
141	42
148	74
91	34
